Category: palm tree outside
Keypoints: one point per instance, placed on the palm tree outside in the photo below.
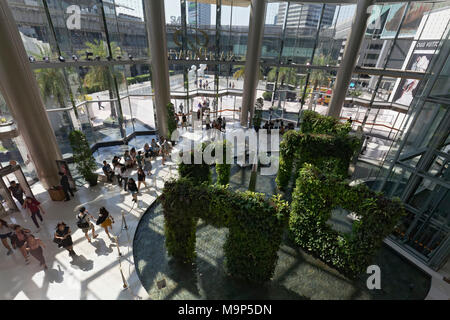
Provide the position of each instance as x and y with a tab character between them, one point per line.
319	77
102	77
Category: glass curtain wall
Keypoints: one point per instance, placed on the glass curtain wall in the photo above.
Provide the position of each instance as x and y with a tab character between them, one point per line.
106	90
206	42
93	77
303	46
297	36
416	168
12	146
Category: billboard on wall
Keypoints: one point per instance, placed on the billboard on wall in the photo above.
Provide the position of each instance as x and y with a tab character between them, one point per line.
410	23
419	60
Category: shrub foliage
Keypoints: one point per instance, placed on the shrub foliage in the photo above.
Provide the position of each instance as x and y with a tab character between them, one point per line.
315	195
198	173
330	153
255	225
82	155
223	169
317	123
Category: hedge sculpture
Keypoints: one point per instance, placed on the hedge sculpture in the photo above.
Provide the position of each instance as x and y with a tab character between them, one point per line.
255	225
314	197
321	154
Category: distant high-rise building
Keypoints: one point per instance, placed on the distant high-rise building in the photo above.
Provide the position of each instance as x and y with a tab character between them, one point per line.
199	13
130	8
305	15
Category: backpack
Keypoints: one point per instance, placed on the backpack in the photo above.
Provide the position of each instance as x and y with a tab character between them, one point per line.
81	223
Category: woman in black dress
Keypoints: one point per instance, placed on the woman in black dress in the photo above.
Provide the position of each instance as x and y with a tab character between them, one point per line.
63	238
132	187
141	178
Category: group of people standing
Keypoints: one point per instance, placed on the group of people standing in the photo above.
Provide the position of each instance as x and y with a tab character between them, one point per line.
218	124
29	203
22	239
122	167
28	244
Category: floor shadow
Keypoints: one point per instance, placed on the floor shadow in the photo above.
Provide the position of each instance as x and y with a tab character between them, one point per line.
101	249
54	275
80	262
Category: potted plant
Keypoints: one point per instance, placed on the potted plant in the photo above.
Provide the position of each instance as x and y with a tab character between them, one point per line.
82	155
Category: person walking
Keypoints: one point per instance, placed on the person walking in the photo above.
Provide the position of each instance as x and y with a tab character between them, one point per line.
100	107
35	209
19	239
5	233
141	178
63	237
34	247
127	158
125	173
17	192
65	186
133	155
85	224
147	150
155	148
183	121
208	122
105	220
224	124
132	187
140	159
147	165
165	149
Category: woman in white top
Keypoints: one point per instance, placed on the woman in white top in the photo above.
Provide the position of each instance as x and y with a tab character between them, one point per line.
118	173
125	172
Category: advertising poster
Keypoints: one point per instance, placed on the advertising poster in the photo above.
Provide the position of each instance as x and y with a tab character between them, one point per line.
411	22
419	61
